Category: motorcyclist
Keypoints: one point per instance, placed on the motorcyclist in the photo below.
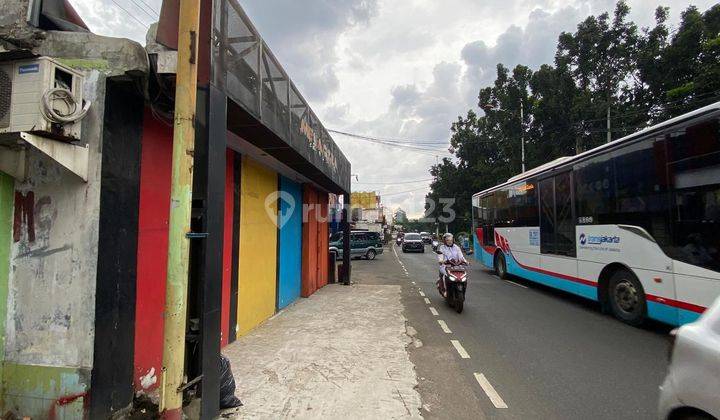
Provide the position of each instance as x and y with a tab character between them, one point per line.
448	251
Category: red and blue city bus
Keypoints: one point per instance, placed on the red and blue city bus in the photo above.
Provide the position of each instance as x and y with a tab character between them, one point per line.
633	224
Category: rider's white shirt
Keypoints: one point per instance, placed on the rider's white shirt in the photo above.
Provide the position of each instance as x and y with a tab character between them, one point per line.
453	252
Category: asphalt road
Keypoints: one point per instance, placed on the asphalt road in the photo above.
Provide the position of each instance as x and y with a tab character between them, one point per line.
542	353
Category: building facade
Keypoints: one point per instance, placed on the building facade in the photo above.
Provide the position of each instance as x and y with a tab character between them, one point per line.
84	240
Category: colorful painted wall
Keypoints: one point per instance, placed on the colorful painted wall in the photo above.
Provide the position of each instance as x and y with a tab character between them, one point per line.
290	246
257	267
310	242
155	175
315	240
323	240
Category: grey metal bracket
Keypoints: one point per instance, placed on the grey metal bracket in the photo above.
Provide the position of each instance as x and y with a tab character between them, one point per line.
70	156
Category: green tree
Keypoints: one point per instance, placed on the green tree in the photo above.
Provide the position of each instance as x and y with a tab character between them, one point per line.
640	76
601	57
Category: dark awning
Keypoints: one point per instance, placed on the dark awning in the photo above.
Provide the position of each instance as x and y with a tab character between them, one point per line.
270	112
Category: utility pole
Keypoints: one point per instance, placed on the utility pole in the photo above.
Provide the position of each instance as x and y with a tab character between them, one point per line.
180	208
522	132
609	136
609	102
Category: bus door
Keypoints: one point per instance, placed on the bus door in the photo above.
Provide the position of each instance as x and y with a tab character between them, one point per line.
488	220
557	232
487	235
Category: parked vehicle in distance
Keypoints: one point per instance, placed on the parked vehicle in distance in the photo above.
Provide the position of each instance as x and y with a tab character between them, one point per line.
362	244
413	242
426	237
691	389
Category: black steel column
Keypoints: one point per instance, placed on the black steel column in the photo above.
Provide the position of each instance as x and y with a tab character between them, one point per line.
207	267
115	293
346	238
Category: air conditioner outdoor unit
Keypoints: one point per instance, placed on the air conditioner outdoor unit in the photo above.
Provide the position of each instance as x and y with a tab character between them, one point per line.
43	97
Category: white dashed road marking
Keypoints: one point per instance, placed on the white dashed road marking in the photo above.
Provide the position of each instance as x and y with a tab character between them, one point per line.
444	326
422	293
434	311
460	349
427	301
490	391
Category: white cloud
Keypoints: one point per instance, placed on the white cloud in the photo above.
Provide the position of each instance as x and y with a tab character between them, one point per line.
396	68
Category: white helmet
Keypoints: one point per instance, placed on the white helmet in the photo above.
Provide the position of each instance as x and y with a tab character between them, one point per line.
448	236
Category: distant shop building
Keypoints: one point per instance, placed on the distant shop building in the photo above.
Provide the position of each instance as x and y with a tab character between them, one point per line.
84	231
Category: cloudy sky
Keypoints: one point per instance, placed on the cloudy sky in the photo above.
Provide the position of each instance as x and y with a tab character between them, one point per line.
394	68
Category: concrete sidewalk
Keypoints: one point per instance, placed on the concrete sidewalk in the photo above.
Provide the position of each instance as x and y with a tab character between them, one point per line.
339	354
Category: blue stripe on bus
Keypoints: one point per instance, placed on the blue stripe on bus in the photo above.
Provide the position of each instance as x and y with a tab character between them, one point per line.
662	312
686	316
657	311
486	258
576	288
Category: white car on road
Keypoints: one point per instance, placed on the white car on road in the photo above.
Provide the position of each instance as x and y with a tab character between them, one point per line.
692	386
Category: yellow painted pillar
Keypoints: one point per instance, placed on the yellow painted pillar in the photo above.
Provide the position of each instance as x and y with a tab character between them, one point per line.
180	208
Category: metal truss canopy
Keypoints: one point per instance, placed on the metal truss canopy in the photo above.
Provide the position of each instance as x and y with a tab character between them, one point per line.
245	69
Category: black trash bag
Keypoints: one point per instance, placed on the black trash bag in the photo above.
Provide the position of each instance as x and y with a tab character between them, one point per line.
227	385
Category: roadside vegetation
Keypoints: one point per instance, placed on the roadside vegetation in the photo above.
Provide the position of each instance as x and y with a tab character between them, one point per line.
608	73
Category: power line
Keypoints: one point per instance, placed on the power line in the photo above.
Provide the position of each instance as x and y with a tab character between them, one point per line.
130	14
143	10
392	140
421	150
151	8
395	183
404	192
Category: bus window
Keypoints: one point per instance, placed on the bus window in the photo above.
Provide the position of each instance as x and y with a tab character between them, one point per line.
595	190
641	188
564	220
476	212
695	178
557	224
523	199
547	216
504	213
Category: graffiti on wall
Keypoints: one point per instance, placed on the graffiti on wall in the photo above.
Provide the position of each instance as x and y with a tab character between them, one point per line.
26	213
24	216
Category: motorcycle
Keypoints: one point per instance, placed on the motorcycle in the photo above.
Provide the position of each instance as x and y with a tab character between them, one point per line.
435	245
454	284
398	241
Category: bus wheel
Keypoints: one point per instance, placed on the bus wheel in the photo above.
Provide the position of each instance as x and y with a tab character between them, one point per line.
501	266
627	298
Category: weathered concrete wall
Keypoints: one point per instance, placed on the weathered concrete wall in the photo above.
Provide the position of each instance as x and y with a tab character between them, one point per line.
14	28
51	299
53	256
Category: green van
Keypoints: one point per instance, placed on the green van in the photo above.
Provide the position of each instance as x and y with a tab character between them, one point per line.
362	244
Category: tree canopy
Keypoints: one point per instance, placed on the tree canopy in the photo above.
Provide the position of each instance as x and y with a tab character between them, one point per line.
608	69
